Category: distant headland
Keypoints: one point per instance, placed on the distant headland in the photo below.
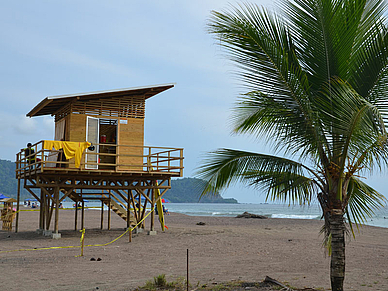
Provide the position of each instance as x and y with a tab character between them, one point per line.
185	190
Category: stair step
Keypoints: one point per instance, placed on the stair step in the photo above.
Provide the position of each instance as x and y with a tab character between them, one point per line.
120	211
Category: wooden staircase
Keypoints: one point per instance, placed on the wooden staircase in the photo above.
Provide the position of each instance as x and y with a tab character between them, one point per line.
114	206
120	211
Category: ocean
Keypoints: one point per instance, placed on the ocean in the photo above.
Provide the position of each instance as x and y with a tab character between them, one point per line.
271	210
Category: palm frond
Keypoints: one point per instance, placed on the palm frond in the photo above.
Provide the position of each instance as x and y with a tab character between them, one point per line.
261	46
351	123
270	117
363	202
281	178
369	58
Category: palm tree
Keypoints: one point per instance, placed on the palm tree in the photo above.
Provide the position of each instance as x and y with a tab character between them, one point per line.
316	78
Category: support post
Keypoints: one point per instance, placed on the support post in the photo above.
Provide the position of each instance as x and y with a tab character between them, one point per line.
17	208
51	208
83	215
76	215
42	209
128	213
56	234
152	208
109	212
47	210
102	214
56	197
139	211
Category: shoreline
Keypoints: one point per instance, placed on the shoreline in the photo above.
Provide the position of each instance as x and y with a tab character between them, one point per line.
221	250
374	221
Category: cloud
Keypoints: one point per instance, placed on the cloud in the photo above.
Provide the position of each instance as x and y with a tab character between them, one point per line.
17	124
42	49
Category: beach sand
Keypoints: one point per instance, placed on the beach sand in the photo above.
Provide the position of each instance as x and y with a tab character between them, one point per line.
222	250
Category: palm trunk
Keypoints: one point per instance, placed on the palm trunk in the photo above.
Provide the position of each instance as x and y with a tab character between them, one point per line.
337	266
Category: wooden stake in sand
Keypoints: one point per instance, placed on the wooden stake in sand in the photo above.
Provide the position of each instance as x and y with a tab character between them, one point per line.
82	242
187	275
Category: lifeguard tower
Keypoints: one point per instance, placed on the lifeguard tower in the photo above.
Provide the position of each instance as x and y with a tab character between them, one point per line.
98	153
8	213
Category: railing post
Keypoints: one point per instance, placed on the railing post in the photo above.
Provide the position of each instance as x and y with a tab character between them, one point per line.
42	157
149	160
17	165
169	161
181	163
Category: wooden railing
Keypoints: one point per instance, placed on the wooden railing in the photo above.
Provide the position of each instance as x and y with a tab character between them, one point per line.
105	157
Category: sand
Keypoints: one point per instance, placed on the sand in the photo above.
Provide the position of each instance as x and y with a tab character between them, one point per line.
223	249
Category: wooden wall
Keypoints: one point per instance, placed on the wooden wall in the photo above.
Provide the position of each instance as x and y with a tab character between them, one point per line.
76	127
130	132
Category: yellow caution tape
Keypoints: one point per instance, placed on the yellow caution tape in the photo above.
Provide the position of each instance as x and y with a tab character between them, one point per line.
82	242
82	237
10	213
129	229
14	212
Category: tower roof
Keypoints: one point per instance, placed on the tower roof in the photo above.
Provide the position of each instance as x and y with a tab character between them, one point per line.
52	104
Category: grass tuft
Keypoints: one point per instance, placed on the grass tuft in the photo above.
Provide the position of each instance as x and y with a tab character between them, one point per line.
160	283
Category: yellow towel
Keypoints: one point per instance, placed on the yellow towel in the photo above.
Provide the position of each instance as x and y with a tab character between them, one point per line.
71	149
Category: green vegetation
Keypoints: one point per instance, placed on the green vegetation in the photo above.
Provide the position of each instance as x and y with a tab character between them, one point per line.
315	74
160	283
8	182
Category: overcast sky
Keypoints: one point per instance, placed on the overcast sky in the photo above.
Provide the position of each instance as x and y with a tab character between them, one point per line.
50	48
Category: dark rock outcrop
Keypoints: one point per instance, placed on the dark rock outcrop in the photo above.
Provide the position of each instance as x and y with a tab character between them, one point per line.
250	215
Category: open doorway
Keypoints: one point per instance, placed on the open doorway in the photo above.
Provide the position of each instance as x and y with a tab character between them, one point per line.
108	142
102	133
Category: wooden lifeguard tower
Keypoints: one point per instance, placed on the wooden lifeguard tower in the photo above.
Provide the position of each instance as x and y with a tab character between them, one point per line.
98	153
8	213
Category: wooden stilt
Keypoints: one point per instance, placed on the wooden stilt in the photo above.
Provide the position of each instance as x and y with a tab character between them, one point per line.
51	211
17	208
102	214
139	210
76	216
152	208
109	212
134	206
47	212
128	214
42	209
144	208
56	197
83	215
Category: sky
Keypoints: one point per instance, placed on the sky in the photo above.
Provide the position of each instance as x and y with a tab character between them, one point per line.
50	48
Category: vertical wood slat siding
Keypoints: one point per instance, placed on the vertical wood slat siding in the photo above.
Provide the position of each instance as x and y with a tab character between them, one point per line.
127	106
